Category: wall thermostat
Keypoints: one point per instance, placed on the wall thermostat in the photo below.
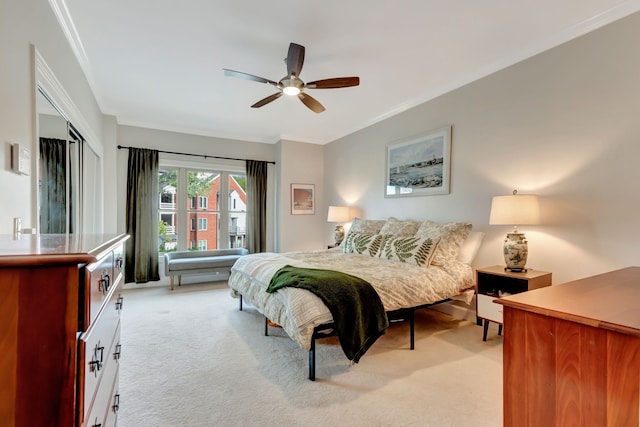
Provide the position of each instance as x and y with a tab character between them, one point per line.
20	159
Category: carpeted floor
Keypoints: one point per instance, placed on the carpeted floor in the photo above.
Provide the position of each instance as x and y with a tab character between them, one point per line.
191	358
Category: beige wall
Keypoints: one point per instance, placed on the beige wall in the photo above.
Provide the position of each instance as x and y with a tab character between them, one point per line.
301	164
563	125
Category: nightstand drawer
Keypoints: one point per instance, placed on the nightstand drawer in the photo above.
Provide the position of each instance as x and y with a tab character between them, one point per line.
487	309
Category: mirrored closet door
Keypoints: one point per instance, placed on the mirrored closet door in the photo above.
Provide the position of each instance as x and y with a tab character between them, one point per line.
61	149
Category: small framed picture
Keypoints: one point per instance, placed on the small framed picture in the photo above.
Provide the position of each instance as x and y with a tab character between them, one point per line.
303	199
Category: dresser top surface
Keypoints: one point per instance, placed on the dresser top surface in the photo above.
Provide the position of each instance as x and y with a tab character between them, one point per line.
84	248
610	300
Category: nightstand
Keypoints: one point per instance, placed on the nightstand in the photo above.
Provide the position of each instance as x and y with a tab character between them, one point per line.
495	282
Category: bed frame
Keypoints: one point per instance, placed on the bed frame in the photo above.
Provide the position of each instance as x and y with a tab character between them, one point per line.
328	330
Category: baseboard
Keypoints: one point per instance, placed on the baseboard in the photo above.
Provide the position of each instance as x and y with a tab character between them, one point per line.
186	280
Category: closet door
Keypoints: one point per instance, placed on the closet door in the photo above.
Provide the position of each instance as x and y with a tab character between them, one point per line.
60	170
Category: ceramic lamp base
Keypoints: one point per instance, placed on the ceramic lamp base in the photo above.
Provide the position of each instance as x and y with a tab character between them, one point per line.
515	251
338	234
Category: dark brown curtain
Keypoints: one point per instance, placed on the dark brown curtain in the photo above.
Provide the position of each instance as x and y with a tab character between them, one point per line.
141	254
256	206
53	185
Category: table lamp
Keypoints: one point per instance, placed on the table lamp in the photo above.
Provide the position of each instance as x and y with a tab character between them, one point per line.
338	214
517	209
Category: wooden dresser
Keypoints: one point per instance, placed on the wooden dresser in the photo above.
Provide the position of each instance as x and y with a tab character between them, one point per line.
60	302
572	353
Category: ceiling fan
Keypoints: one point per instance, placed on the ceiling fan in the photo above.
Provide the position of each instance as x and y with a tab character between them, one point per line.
292	85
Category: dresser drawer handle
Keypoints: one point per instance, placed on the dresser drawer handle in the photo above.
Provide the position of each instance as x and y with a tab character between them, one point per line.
99	349
116	354
97	424
116	403
95	366
119	302
97	360
119	263
104	283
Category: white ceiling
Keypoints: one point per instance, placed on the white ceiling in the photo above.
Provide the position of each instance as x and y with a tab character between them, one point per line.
158	63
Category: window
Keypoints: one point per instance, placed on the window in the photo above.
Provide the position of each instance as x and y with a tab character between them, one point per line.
212	205
167	199
167	210
237	211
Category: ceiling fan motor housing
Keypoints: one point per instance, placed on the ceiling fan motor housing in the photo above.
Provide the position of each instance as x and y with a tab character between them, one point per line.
293	83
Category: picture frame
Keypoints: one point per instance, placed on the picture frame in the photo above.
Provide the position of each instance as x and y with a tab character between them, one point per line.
419	165
303	200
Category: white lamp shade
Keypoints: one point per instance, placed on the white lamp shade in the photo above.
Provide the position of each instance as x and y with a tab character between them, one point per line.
519	209
338	214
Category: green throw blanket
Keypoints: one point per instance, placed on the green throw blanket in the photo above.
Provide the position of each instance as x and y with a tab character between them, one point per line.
358	314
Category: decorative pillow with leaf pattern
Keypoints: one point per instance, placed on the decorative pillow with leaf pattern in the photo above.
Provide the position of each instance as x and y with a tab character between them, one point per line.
412	250
368	226
451	234
363	243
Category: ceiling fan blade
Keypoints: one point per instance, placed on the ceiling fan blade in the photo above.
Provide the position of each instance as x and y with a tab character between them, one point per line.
334	83
311	102
295	59
232	73
267	100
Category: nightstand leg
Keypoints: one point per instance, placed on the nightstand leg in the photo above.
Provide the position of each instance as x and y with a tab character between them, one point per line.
500	329
484	332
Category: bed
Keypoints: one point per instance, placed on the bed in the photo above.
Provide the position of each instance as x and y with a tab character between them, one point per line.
410	264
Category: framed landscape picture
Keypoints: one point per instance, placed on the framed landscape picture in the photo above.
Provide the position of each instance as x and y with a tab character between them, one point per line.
303	199
420	165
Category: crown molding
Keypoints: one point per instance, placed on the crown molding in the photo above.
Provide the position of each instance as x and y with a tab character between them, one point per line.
69	29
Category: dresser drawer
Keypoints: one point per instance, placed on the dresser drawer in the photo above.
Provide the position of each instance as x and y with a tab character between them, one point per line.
487	309
97	390
114	404
97	347
99	279
103	412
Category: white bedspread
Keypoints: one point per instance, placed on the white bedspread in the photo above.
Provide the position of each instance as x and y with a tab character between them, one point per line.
299	311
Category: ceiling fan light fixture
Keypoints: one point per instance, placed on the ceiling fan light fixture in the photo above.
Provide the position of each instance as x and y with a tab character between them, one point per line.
292	85
291	90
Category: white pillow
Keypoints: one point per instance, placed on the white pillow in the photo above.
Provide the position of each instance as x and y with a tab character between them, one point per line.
400	228
470	247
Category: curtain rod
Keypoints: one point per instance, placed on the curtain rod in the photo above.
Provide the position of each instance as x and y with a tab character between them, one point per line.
197	155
